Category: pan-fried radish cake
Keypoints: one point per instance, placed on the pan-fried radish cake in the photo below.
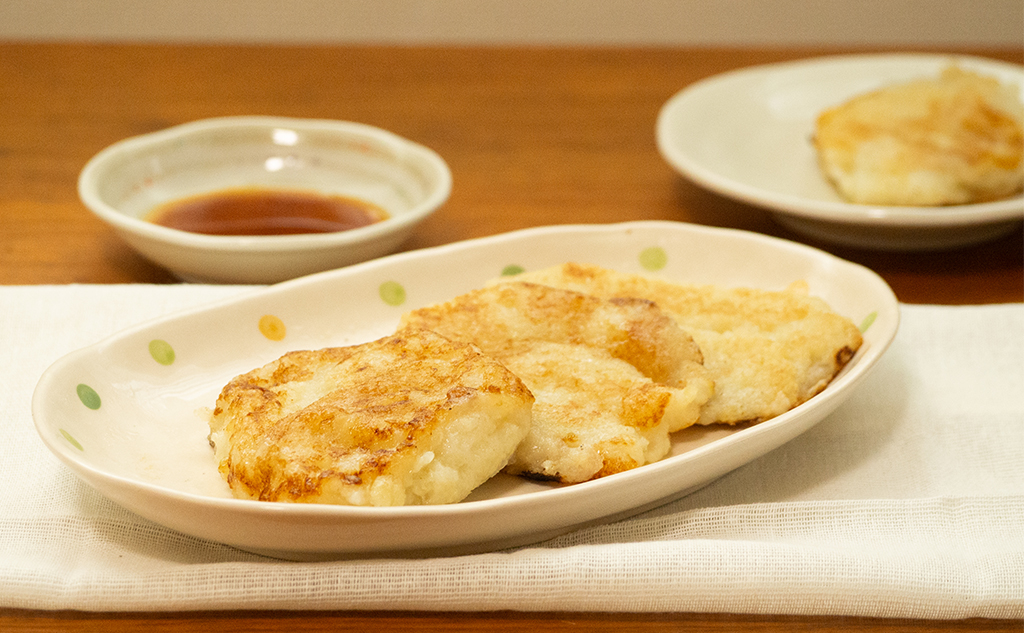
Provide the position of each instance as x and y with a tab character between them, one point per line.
611	378
953	139
766	351
595	415
412	418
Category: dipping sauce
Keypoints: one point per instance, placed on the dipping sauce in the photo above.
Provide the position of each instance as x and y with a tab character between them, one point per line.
266	212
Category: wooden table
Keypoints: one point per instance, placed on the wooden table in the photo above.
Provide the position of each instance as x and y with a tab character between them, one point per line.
534	136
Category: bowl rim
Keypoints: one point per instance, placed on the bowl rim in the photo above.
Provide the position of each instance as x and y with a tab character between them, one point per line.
89	195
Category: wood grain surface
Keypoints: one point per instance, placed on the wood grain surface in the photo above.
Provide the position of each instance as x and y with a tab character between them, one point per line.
534	136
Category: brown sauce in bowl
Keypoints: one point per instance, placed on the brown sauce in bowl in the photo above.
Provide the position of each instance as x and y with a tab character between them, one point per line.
266	212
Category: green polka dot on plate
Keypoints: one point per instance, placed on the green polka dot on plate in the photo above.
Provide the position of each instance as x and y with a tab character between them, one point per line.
161	351
392	293
868	320
88	396
71	440
653	258
512	269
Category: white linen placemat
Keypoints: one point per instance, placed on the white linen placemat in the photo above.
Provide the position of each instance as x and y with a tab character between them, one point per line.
906	502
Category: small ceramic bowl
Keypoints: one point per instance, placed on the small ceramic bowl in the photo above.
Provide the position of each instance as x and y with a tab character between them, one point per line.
125	181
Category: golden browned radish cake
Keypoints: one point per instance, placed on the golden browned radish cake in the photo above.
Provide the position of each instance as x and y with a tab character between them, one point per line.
612	378
954	139
766	351
412	418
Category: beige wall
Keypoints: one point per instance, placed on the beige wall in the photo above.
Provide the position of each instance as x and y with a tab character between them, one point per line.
633	22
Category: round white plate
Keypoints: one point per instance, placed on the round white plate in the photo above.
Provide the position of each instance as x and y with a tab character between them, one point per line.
746	134
126	414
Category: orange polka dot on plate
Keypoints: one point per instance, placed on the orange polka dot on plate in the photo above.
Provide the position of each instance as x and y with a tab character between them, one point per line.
272	327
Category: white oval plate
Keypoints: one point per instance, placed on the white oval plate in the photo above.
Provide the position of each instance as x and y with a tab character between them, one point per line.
126	414
746	134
